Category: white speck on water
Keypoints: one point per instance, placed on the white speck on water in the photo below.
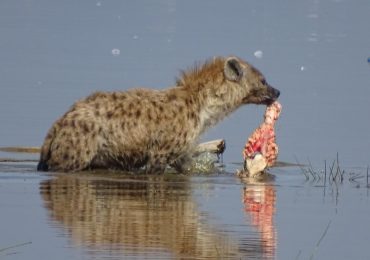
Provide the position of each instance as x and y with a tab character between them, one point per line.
313	37
303	68
98	4
313	16
258	54
116	52
135	37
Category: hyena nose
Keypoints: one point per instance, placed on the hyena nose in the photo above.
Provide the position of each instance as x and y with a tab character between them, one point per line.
275	92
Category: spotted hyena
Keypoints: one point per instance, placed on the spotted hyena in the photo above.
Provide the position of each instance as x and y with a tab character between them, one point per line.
151	129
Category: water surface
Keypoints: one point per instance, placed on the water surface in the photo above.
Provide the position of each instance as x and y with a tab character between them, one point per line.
315	52
116	215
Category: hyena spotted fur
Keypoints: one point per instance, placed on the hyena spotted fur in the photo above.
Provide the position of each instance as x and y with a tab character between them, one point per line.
152	129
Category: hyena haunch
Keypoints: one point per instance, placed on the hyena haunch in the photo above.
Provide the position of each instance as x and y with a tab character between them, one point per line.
152	128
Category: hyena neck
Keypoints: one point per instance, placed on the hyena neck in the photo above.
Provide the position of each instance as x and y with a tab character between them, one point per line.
213	97
214	109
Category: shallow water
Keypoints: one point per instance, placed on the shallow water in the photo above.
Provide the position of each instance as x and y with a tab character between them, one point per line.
115	215
315	52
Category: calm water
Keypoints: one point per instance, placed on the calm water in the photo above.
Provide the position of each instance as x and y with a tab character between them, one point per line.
314	51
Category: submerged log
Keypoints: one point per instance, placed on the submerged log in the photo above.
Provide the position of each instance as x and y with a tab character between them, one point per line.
21	149
215	146
12	160
205	158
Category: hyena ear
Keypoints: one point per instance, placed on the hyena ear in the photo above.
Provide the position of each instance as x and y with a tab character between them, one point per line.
233	70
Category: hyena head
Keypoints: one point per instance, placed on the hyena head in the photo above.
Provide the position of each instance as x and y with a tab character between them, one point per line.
255	88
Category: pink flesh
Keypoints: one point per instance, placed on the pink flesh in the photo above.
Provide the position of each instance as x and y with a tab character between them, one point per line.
262	139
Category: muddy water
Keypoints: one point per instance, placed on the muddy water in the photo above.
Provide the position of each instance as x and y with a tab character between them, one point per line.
316	52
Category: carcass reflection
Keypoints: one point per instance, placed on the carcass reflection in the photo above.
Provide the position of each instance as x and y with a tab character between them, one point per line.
259	203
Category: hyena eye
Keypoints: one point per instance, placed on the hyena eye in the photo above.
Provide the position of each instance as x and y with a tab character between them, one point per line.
263	82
